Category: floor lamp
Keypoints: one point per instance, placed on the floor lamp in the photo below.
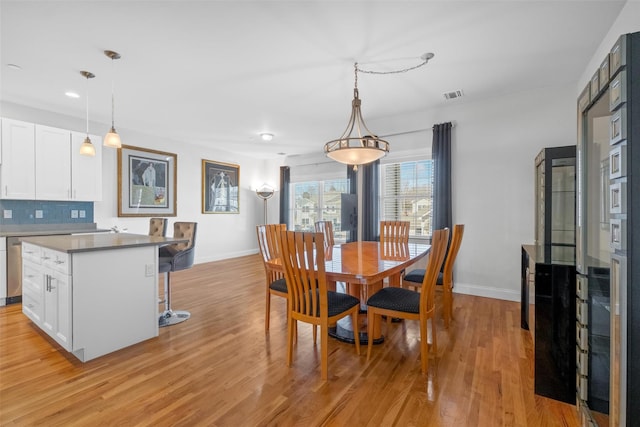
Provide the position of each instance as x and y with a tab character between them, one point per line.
265	193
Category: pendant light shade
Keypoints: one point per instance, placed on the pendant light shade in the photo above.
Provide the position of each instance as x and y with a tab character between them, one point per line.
87	148
112	139
357	145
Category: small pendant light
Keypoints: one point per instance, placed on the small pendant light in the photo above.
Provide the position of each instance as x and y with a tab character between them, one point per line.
112	139
87	148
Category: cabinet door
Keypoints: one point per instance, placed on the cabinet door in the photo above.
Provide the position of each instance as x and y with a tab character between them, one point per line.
17	172
33	285
53	163
56	319
86	172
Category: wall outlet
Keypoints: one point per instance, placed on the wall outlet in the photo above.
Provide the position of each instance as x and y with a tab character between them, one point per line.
39	213
8	214
83	214
149	270
74	213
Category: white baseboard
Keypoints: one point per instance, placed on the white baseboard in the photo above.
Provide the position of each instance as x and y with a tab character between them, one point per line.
226	255
487	291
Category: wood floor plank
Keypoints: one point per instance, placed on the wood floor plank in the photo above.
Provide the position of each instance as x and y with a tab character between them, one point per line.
220	369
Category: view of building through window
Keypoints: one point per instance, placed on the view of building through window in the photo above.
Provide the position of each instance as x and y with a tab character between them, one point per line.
318	201
406	192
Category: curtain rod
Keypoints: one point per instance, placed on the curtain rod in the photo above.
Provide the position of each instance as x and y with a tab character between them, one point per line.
408	132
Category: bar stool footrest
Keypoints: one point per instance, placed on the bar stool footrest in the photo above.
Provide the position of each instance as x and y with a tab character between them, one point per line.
171	317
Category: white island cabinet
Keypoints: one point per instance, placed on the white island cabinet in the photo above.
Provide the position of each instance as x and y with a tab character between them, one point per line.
94	293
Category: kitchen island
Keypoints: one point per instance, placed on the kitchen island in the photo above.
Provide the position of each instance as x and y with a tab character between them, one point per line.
93	293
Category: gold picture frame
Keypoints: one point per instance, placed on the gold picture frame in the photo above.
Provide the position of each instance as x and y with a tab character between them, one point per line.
147	182
220	187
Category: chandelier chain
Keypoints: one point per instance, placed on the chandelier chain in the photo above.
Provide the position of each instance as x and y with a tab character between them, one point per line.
425	60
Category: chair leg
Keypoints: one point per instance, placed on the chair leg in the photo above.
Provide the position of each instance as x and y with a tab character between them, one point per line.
291	328
170	317
324	342
424	346
267	312
370	326
315	334
447	304
356	330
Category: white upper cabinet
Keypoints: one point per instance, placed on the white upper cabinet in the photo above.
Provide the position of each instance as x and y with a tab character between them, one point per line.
44	163
17	172
53	163
86	172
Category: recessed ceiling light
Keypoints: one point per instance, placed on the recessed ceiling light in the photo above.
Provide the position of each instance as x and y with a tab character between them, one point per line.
14	66
72	94
266	136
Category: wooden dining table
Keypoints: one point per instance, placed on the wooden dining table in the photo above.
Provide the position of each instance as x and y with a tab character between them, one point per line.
363	267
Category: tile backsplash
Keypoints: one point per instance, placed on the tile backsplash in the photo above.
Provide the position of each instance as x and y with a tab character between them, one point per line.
16	212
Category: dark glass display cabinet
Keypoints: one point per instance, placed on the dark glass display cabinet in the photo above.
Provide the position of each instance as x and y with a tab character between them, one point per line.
553	256
607	238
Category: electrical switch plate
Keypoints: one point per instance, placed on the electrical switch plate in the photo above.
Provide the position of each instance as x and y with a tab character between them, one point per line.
74	213
39	213
149	270
8	214
83	214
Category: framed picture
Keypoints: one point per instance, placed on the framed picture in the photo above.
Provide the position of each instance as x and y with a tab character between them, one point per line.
220	187
146	182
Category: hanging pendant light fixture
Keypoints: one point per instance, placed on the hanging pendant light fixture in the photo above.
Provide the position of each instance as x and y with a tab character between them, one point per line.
357	145
112	139
87	148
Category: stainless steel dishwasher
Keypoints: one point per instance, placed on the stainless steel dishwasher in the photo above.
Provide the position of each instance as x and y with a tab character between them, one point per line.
14	270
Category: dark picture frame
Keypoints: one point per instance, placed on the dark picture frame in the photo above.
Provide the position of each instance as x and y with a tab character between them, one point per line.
146	182
220	187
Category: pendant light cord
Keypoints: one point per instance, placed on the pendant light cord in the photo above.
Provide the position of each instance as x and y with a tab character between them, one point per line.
113	86
87	98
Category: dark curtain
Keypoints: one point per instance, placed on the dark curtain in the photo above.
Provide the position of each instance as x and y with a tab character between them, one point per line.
352	176
370	195
441	153
285	180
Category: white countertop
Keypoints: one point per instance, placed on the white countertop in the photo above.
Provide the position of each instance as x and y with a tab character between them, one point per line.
98	242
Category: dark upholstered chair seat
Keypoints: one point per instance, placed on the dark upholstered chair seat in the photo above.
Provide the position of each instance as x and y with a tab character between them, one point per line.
397	299
339	303
279	285
417	276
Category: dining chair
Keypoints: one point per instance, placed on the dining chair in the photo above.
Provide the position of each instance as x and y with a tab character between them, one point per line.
326	228
393	235
158	227
310	301
412	305
414	278
175	257
394	232
268	236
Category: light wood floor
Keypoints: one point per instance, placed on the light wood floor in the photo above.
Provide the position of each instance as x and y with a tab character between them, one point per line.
219	369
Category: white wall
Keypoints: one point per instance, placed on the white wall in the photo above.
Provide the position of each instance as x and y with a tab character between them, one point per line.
494	146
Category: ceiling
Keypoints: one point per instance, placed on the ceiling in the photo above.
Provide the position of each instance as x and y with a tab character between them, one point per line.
220	72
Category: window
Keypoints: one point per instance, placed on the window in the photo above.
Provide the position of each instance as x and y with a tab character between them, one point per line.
318	201
406	191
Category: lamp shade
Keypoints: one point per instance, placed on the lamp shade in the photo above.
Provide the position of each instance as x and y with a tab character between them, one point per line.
356	151
87	148
112	139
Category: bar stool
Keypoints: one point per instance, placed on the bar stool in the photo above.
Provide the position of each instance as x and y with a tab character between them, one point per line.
176	257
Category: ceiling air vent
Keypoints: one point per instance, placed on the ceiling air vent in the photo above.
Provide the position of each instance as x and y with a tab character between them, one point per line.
453	95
